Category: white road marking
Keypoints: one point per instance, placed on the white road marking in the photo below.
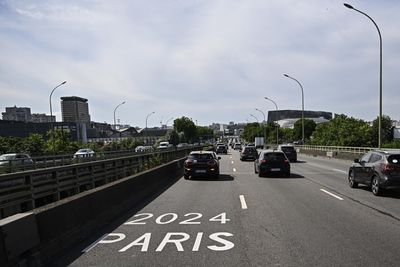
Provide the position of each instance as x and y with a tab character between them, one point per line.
230	157
337	170
333	195
234	170
232	162
89	248
243	202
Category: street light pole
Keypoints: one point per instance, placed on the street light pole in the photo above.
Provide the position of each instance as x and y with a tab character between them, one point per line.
148	115
380	73
277	133
302	106
265	134
51	114
255	117
115	124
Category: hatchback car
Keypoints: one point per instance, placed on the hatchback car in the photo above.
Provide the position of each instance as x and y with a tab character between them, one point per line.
248	152
237	146
272	162
378	169
221	149
15	159
84	153
289	151
201	163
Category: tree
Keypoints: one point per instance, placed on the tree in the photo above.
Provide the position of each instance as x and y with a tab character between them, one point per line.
58	141
309	128
187	126
204	133
34	145
387	131
173	138
342	131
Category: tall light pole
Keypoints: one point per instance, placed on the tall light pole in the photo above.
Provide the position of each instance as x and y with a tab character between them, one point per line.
166	123
302	106
51	115
255	117
148	115
115	124
52	91
265	134
277	133
380	73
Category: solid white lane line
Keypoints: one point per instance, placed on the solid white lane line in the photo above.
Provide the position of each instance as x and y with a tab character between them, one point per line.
243	202
234	169
337	170
333	195
93	244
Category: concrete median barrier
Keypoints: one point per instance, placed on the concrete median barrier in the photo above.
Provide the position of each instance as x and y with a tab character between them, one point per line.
64	223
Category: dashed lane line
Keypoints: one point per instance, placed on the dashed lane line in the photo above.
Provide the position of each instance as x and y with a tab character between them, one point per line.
243	202
331	194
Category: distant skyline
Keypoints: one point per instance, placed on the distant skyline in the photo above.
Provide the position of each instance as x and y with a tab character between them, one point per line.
210	60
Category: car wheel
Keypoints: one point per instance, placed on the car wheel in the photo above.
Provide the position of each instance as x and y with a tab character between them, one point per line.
260	174
186	176
352	183
255	169
375	187
287	174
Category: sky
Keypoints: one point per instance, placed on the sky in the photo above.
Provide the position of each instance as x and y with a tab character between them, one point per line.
210	60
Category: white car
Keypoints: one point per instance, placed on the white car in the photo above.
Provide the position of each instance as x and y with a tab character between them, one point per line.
164	145
84	153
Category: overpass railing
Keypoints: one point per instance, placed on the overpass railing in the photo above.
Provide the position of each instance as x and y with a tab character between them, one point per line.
27	190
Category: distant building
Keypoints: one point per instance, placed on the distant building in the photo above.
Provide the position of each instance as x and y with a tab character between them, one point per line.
17	114
279	115
39	118
75	109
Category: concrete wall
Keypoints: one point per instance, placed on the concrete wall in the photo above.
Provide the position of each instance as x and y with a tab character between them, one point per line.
64	223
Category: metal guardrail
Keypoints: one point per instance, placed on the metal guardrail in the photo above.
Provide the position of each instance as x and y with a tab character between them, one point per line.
348	149
40	162
27	190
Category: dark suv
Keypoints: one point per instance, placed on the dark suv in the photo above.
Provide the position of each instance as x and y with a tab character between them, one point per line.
289	151
378	169
248	152
221	149
201	163
272	162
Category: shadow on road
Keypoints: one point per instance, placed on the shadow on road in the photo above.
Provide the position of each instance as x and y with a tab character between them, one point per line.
389	193
299	161
221	178
292	176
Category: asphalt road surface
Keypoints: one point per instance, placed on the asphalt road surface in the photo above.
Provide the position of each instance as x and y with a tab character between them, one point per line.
312	218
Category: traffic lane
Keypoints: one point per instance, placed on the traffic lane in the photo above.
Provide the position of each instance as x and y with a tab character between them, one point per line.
291	222
326	172
202	213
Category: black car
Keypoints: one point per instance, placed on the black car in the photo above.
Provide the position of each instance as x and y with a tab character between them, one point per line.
378	169
221	149
289	151
248	152
201	163
272	162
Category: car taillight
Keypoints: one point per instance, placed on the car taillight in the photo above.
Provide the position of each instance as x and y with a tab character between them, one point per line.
211	163
188	162
385	168
286	161
263	161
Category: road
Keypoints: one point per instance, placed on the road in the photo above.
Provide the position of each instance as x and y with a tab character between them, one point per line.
312	218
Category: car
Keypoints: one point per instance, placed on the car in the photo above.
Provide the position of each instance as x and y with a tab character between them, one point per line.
237	146
379	169
221	149
15	159
289	151
164	145
201	163
144	149
248	152
84	153
272	162
182	145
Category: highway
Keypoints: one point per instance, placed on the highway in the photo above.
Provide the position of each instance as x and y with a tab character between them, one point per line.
312	218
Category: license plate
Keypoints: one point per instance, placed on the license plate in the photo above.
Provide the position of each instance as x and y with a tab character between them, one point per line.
200	171
275	170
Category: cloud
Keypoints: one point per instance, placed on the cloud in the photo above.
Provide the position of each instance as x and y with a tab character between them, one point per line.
211	60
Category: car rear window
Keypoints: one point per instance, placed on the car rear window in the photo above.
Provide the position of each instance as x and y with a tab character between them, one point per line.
200	156
274	156
394	159
250	149
287	149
